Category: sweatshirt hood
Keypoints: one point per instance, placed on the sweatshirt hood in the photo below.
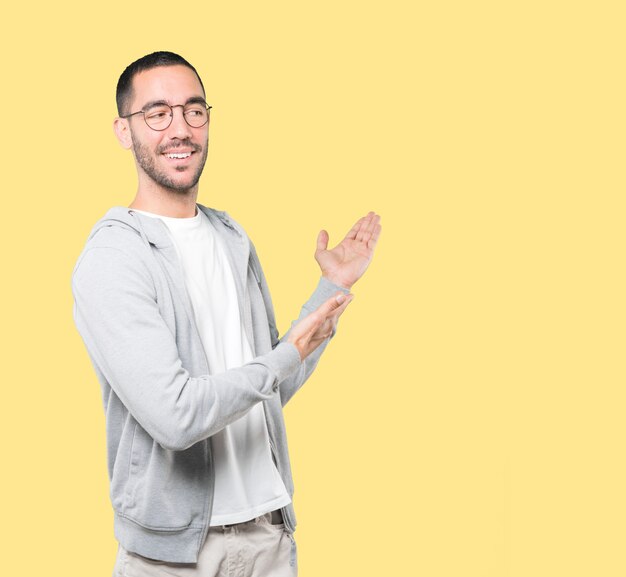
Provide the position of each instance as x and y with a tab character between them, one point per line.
153	230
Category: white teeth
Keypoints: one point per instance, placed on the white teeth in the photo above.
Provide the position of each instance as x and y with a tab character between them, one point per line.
180	155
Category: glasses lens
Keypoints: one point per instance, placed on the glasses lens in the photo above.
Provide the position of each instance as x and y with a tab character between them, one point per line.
158	117
196	115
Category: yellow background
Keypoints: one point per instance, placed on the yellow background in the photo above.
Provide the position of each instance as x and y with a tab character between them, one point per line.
468	419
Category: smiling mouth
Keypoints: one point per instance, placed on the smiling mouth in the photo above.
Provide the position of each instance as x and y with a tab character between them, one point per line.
178	155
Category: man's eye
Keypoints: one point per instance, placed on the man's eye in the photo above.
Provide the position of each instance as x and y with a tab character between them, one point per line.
195	112
157	115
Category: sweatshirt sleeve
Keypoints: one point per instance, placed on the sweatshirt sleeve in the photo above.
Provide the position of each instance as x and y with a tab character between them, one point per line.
292	383
117	314
324	290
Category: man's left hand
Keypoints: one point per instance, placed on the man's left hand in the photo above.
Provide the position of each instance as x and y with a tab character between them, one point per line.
346	263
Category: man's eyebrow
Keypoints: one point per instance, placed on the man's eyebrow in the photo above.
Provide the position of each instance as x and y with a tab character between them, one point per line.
196	100
192	100
153	103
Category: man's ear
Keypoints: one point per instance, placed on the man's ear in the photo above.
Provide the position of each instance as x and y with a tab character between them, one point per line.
122	131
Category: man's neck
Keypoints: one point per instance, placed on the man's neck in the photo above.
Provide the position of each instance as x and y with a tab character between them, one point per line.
164	203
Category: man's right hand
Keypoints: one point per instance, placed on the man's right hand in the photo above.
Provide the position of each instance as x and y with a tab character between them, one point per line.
310	332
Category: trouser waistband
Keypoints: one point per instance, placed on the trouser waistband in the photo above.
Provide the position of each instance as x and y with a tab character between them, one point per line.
276	518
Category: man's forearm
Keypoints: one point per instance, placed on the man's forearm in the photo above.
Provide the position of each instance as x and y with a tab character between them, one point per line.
288	387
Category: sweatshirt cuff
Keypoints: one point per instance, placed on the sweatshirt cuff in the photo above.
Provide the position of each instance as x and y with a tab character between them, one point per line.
283	361
324	290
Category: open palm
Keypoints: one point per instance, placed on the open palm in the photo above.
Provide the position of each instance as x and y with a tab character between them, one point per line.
346	263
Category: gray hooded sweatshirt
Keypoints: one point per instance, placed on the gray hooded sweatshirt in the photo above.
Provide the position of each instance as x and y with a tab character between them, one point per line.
162	405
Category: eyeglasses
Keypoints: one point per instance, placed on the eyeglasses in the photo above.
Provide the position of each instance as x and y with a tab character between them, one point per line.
159	116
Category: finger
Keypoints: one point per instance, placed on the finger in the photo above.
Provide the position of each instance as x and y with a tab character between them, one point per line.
341	308
353	231
322	312
363	228
372	228
330	322
307	330
371	243
322	240
373	223
333	303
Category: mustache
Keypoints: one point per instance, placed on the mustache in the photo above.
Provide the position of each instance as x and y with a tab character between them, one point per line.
180	144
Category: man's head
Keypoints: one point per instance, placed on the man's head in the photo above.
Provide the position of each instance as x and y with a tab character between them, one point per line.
168	156
124	92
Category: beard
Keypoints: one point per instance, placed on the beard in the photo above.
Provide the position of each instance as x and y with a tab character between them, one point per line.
147	161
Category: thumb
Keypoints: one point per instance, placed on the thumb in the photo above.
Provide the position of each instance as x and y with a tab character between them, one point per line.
322	240
338	300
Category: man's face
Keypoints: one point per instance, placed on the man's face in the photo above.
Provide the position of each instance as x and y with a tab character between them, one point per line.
154	149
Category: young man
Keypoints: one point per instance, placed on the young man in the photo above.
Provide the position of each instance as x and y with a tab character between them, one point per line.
174	310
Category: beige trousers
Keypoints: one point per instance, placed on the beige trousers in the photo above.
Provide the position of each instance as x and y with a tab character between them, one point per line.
252	549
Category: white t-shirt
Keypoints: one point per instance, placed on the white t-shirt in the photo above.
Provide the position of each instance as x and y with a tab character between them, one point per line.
247	483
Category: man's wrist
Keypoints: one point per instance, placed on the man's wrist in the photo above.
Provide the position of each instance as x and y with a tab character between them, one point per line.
341	283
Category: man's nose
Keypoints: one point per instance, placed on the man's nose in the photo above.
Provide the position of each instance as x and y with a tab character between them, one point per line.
179	127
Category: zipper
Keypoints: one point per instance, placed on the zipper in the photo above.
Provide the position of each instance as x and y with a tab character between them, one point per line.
209	458
273	451
283	510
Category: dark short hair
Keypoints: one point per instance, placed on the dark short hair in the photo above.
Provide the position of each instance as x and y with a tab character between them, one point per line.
124	90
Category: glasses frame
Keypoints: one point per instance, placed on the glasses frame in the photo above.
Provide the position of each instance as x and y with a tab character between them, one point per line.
208	110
